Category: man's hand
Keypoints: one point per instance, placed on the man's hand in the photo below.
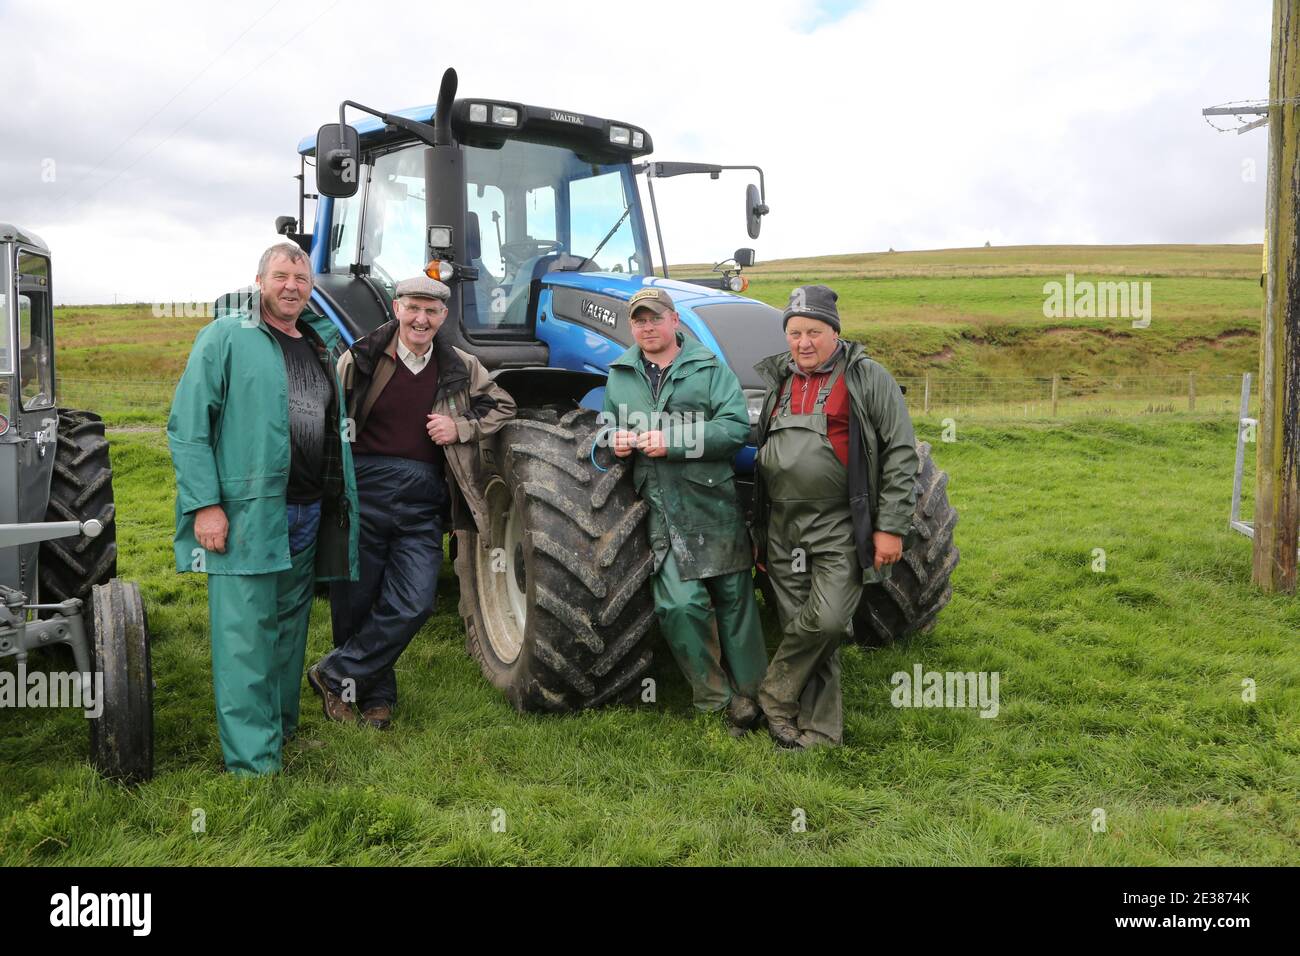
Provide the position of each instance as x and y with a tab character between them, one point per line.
889	548
623	443
652	444
442	429
211	528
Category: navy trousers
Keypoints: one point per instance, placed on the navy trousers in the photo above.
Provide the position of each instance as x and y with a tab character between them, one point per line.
402	503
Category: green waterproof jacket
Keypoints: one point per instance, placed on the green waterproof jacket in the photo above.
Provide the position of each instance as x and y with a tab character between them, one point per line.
229	439
882	454
691	492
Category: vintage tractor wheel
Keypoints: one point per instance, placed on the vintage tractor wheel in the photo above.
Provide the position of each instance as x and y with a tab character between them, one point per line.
557	604
920	586
80	489
121	737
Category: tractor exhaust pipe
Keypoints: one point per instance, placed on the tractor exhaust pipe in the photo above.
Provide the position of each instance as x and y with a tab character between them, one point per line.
442	117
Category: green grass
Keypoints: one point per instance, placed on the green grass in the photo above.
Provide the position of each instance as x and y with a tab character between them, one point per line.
1119	690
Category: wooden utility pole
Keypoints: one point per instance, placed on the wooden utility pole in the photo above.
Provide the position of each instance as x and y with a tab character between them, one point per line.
1277	501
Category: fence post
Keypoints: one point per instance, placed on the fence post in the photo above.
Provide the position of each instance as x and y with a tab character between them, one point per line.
1191	391
927	393
1056	382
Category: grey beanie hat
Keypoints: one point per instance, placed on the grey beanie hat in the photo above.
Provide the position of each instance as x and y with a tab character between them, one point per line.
815	302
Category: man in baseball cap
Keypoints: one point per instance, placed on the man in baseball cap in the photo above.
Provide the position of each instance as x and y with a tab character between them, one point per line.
418	406
833	501
680	416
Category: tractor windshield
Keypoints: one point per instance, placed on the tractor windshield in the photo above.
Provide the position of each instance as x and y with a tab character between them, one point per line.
526	205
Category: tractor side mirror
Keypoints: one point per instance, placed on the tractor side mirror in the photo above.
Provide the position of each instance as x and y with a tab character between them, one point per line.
284	225
338	161
744	258
755	210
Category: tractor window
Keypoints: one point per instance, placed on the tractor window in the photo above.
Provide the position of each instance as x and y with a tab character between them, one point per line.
539	212
35	332
487	208
393	240
595	207
343	231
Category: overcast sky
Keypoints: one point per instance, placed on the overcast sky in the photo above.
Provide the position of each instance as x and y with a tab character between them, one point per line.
169	130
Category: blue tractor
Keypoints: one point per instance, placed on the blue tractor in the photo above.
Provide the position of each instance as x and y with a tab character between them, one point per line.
533	217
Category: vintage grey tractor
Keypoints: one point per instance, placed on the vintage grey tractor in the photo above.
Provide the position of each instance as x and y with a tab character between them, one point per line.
58	540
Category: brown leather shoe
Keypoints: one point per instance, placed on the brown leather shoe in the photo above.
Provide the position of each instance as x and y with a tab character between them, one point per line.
336	708
378	716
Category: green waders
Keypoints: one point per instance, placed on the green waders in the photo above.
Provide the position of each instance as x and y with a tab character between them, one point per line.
687	610
259	639
813	567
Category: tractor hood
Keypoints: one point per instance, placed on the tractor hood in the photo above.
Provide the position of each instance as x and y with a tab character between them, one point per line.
741	331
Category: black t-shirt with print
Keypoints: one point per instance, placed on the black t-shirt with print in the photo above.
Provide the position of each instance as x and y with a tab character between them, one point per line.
309	395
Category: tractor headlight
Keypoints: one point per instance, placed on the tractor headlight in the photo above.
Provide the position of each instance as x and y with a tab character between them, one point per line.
442	271
638	139
737	283
505	116
620	135
478	112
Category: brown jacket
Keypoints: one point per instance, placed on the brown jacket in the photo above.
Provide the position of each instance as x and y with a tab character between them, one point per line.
466	394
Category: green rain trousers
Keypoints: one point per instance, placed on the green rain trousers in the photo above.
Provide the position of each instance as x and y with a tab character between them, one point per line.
259	640
813	568
705	652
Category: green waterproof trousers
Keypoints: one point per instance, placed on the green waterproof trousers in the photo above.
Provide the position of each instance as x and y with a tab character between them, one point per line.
259	639
718	661
813	567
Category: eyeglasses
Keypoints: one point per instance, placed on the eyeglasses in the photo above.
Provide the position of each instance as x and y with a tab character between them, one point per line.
642	321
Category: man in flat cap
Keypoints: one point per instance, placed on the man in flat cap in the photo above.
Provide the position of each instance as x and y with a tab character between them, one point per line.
418	406
833	501
679	414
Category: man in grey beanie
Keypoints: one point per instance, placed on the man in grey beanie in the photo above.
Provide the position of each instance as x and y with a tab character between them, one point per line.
833	500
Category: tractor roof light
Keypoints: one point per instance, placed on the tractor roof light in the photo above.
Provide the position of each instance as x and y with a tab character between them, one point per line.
504	115
638	139
620	135
478	113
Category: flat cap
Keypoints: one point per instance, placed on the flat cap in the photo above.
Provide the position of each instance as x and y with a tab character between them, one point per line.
423	286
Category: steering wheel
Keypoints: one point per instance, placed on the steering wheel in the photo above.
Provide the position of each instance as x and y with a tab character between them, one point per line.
520	251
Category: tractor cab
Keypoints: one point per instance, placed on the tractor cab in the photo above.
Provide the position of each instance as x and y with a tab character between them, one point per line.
532	216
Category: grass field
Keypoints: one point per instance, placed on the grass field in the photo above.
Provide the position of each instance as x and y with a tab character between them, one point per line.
1120	690
970	314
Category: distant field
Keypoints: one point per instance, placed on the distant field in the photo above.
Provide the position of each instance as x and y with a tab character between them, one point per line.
965	314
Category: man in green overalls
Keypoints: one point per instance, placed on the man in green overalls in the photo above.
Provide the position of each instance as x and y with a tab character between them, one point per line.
834	498
265	498
680	411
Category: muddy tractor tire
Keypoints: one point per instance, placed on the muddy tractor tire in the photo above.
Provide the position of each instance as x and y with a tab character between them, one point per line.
80	489
921	584
121	736
557	602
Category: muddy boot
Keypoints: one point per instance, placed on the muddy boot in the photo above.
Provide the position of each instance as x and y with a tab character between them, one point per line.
783	731
742	715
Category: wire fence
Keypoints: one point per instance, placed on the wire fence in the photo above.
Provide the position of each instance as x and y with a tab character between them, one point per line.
147	402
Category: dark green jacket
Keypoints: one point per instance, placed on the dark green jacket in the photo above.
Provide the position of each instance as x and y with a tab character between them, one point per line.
882	453
691	492
229	438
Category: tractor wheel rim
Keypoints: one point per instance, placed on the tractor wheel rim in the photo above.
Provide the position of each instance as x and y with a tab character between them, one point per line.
502	580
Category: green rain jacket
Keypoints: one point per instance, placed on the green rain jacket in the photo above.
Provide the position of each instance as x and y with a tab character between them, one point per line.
229	439
691	492
882	454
